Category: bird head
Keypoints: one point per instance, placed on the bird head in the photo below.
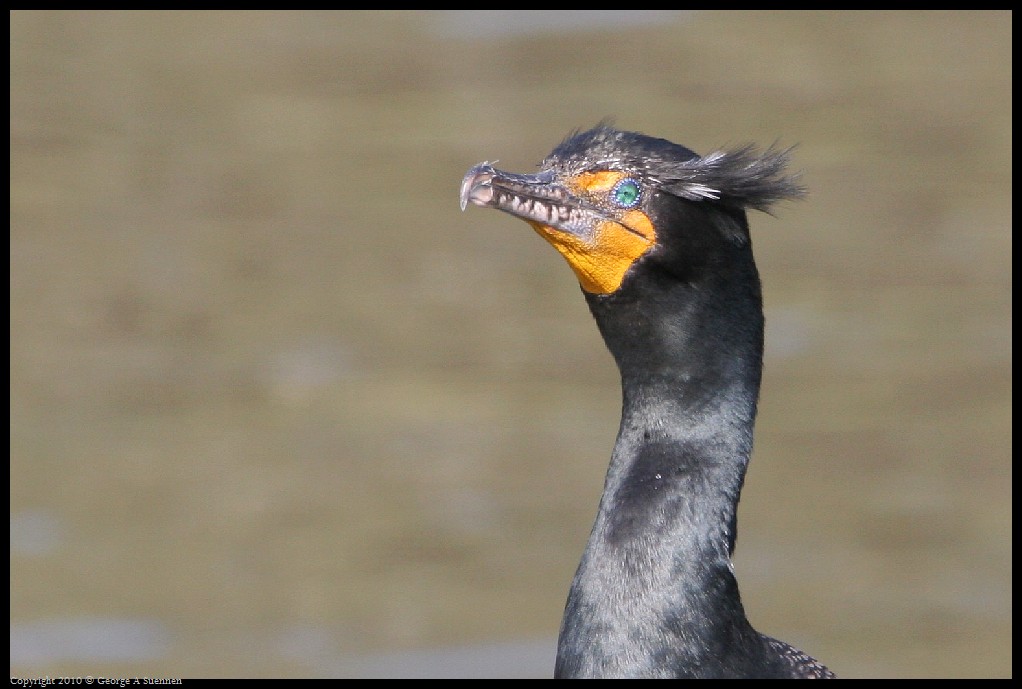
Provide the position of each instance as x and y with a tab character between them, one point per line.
608	200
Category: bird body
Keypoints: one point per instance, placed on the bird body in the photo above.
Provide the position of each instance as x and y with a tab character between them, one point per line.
659	240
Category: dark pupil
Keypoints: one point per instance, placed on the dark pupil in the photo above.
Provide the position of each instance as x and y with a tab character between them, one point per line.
626	193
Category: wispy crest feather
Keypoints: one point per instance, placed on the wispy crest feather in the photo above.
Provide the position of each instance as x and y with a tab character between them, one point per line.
744	176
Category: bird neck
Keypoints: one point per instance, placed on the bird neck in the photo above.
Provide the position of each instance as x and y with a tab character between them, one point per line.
690	358
657	568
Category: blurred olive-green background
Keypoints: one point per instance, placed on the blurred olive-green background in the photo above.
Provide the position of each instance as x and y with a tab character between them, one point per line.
279	408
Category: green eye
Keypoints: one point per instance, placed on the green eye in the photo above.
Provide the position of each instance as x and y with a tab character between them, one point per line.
626	193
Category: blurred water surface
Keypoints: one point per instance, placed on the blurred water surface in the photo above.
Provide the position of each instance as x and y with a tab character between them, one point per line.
279	409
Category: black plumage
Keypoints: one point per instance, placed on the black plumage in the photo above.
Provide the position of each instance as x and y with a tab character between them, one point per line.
659	240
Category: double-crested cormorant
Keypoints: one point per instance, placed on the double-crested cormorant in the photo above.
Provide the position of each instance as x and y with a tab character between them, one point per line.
658	238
